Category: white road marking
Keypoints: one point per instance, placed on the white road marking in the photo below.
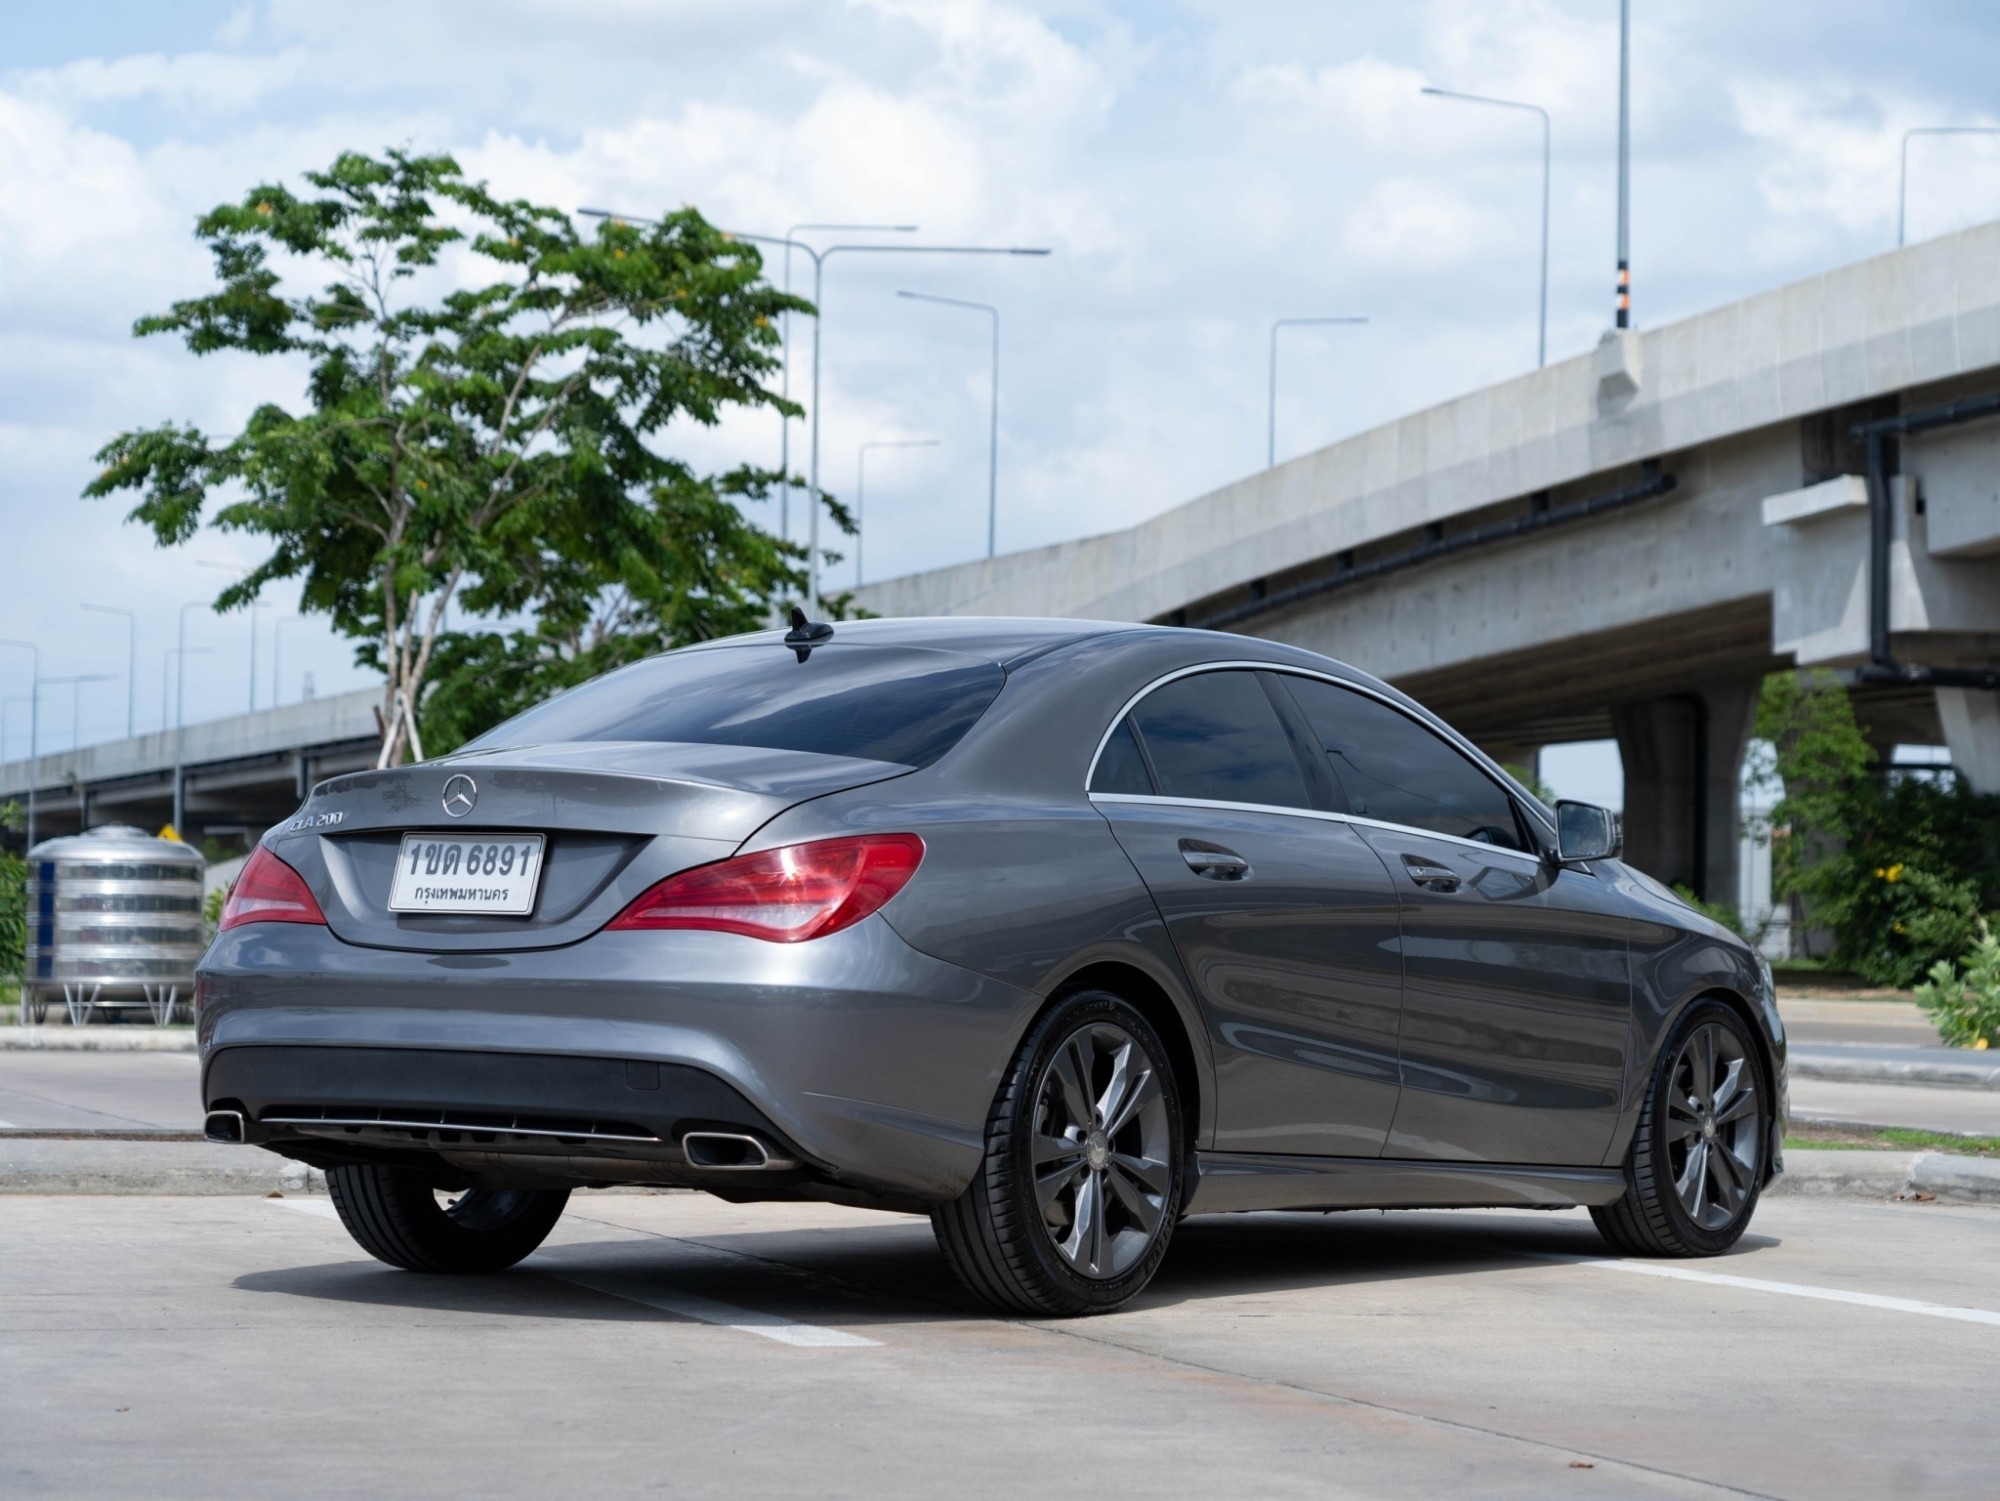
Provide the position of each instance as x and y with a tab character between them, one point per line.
1785	1289
642	1290
708	1311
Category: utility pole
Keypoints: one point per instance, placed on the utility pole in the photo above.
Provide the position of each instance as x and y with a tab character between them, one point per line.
1624	163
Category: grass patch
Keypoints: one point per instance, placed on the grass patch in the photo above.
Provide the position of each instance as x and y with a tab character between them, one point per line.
1809	1137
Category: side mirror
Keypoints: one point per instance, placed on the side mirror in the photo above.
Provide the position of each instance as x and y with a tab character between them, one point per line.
1585	831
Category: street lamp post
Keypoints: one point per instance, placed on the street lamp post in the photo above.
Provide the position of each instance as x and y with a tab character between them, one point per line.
75	684
1271	435
1624	163
785	353
861	487
819	259
167	660
131	658
34	724
1542	342
5	705
180	705
277	654
1903	182
993	423
255	606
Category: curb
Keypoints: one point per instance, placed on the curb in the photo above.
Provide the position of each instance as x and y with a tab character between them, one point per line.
66	1039
1888	1175
97	1165
1889	1071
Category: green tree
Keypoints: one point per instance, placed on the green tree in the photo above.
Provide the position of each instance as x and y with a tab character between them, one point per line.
13	896
1897	866
482	382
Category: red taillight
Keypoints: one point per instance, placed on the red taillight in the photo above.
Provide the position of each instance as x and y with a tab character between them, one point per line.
785	895
269	890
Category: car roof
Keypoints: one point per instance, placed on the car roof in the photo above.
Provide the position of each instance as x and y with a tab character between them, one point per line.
1002	639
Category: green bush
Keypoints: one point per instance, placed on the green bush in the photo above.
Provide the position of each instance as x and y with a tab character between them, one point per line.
1898	867
1966	1007
1894	922
13	901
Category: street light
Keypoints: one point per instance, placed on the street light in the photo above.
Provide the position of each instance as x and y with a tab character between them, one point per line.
1903	185
180	703
1624	163
131	657
5	704
993	427
785	354
167	660
1542	344
861	486
255	606
277	653
819	259
1271	442
34	724
76	699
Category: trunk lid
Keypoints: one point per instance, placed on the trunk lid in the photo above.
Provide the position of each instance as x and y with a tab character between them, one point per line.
616	817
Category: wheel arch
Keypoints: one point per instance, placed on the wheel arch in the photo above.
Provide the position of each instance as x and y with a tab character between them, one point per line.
1767	1063
1154	1002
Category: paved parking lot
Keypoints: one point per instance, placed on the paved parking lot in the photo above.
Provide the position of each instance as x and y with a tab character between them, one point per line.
672	1344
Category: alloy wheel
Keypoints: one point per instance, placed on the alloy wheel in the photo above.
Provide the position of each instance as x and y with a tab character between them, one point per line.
1102	1154
1714	1126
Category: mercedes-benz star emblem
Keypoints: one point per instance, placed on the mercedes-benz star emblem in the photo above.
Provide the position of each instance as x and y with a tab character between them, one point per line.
460	793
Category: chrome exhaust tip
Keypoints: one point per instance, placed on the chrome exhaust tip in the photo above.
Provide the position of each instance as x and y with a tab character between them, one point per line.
733	1151
223	1125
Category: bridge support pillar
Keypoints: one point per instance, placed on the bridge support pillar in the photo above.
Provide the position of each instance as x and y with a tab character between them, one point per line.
1683	761
1971	720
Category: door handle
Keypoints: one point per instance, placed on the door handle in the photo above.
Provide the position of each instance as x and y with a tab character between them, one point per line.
1214	862
1431	877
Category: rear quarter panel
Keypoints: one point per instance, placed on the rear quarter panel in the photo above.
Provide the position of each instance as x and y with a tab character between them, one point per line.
1022	879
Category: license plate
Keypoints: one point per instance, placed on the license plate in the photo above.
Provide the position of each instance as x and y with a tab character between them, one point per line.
467	873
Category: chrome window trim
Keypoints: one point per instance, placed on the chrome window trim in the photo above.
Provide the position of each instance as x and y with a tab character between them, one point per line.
1151	799
1451	737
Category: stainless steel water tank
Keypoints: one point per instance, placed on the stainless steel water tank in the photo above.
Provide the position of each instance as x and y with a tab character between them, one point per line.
114	920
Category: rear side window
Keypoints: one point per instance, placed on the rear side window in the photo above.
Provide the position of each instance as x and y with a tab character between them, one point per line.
907	705
1216	736
1395	770
1120	768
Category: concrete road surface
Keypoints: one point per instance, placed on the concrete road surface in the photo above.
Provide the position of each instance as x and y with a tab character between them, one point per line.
1965	1112
675	1345
1887	1022
44	1090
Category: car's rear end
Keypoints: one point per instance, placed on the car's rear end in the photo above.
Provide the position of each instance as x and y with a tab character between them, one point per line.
543	962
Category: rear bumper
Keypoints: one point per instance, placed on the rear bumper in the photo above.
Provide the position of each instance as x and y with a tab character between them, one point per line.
497	1115
869	1064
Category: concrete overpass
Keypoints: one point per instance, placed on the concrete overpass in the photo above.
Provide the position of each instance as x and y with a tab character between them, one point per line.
1624	543
243	773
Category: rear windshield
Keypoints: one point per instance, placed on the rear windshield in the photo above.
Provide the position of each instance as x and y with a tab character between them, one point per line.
907	705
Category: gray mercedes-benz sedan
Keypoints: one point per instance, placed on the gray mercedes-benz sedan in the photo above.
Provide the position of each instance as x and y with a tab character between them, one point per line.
1055	931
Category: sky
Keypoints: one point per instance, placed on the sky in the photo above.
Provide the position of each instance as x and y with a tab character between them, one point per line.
1197	168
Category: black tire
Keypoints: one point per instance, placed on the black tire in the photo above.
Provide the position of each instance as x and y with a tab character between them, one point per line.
394	1216
1003	1239
1679	1118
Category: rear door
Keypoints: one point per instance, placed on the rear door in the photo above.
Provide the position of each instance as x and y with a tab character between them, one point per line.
1516	974
1283	917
